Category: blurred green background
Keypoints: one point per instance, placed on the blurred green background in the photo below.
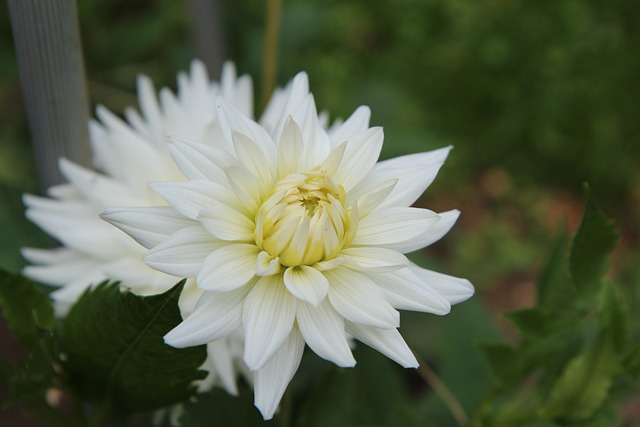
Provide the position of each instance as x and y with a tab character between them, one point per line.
536	96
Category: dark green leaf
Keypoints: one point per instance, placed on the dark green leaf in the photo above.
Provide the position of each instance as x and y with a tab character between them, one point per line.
37	374
584	385
553	289
218	408
593	242
25	306
368	394
540	322
17	230
614	317
503	361
115	352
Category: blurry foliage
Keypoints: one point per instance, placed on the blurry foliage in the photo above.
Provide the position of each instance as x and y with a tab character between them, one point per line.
543	89
537	97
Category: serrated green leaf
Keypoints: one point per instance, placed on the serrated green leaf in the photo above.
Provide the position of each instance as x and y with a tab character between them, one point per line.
25	306
553	291
37	374
594	240
538	322
503	362
114	349
583	387
614	317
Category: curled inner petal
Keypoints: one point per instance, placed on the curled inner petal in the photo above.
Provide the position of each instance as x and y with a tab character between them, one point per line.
304	220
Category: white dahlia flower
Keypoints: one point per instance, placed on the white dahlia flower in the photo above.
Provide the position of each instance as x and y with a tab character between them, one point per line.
298	236
130	155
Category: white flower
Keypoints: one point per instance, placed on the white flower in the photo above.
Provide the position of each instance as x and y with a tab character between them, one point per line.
297	235
131	155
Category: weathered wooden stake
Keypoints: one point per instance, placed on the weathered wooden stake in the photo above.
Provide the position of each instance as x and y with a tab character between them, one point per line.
207	34
52	77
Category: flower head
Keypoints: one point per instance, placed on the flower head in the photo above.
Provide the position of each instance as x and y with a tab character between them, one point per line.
130	155
297	235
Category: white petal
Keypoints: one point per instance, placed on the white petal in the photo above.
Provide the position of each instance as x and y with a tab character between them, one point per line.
394	228
247	188
354	125
64	297
267	318
63	272
197	160
361	154
216	315
226	223
231	119
184	252
387	341
414	172
251	157
284	104
306	283
189	297
221	359
50	256
375	197
78	207
190	197
267	265
138	277
101	190
453	289
330	264
316	141
323	330
290	147
149	107
228	268
406	291
436	232
80	232
372	259
147	225
271	380
360	300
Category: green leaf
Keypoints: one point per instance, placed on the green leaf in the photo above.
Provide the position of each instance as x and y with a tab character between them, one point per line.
25	306
503	362
539	322
114	351
219	408
37	374
593	242
17	230
368	394
553	290
584	385
614	317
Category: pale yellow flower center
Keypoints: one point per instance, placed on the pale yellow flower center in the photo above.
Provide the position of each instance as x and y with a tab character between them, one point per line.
304	220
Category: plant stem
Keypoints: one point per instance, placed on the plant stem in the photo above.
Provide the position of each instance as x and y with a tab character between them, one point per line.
270	58
443	392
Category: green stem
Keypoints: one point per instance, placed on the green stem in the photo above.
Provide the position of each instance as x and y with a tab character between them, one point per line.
270	59
441	389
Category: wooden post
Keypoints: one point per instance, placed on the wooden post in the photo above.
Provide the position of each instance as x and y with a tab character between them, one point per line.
52	77
206	30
